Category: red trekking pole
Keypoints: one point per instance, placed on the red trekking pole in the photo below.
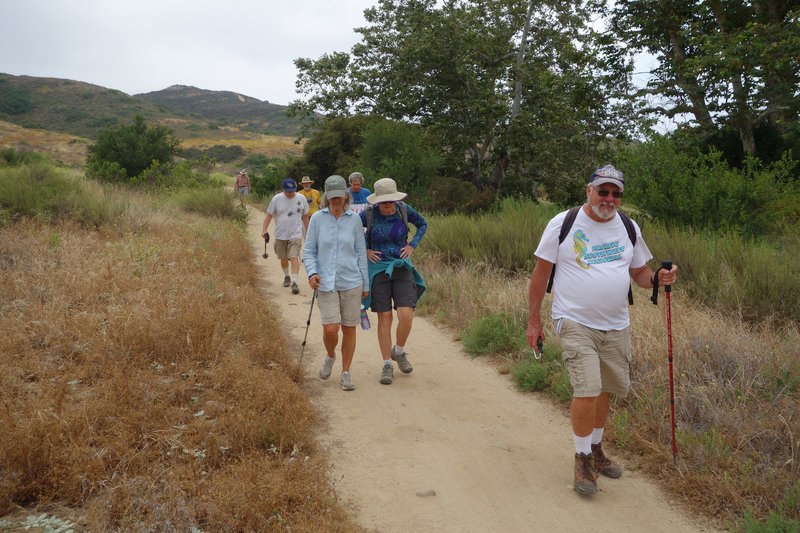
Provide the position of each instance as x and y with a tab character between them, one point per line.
667	265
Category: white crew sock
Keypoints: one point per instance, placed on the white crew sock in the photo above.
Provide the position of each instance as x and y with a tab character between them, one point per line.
285	271
294	278
398	349
583	444
597	435
387	362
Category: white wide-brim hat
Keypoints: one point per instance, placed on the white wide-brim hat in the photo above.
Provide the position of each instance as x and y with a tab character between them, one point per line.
385	191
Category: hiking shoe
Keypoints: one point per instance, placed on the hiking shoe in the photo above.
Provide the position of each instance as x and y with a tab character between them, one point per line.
295	288
386	375
585	477
347	381
402	362
604	465
287	281
325	369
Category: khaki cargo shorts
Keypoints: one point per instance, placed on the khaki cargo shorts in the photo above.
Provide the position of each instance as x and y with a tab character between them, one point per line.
597	361
287	249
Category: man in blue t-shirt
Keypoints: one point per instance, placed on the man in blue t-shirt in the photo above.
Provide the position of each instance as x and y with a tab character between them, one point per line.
358	192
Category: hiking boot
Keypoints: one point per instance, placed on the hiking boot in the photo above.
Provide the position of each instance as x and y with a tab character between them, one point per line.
295	288
585	478
287	281
325	369
604	465
402	362
386	375
347	381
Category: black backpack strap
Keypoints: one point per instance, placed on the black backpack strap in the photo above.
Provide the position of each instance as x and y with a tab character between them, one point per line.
626	220
369	215
628	223
403	208
569	220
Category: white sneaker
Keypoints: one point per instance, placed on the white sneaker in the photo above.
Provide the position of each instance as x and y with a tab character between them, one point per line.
325	369
347	381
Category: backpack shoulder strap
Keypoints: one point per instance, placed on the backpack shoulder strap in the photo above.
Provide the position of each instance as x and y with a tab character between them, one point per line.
628	223
566	225
369	215
626	220
403	208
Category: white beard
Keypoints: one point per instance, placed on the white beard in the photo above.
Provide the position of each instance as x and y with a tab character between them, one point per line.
604	216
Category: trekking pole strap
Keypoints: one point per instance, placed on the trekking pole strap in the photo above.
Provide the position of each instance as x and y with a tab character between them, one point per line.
665	265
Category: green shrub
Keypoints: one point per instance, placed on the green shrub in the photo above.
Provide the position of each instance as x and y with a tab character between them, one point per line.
212	202
506	238
703	191
135	148
531	375
183	175
494	334
46	193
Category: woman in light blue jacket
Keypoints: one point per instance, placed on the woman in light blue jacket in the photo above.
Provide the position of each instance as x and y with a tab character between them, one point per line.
335	259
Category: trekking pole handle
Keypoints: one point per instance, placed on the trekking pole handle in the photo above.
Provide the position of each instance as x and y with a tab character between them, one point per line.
666	264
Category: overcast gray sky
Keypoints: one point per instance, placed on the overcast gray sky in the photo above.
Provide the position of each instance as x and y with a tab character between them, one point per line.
138	46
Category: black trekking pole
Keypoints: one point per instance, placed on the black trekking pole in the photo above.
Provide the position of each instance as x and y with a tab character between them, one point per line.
308	323
266	240
667	265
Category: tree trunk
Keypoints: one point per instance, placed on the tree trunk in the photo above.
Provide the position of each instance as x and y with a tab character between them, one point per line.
523	48
688	82
742	119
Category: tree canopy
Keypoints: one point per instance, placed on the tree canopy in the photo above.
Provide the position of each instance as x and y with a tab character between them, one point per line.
516	91
726	64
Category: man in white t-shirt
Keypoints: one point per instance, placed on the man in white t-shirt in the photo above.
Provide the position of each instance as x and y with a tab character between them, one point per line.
595	264
291	220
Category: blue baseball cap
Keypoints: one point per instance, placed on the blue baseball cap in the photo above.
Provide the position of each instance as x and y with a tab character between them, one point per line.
289	185
608	174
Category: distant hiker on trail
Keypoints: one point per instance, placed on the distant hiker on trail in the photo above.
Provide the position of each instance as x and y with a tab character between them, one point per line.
335	258
393	279
602	252
243	183
357	192
312	195
291	217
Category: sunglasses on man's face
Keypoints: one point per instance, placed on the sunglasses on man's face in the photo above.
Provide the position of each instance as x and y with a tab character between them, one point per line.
602	193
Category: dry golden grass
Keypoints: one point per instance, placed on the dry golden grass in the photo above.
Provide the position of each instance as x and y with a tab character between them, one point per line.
145	384
68	149
737	389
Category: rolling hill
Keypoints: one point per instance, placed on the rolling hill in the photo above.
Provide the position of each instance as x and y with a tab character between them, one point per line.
83	109
60	117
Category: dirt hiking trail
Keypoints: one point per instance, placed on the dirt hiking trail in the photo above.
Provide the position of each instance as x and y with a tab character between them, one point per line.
497	460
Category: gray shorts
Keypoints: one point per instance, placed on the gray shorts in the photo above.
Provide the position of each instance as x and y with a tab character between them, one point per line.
597	361
340	307
400	288
287	249
243	191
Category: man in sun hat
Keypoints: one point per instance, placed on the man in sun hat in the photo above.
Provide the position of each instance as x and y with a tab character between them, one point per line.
595	263
312	196
394	282
243	183
290	212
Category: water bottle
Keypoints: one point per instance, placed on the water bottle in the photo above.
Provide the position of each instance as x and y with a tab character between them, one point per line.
364	318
